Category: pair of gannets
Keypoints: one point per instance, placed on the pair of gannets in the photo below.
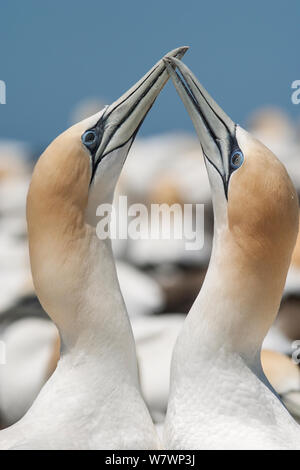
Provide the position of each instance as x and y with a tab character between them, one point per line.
93	399
219	395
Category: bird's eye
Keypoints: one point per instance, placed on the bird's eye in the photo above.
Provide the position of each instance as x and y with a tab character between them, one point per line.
89	138
236	159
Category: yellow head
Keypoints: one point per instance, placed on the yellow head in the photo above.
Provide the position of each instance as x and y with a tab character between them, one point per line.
76	173
255	202
255	219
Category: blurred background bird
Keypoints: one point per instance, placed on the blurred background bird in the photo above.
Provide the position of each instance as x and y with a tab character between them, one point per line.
159	278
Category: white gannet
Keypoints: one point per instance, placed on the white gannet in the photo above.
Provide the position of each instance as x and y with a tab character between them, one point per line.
29	345
32	349
284	375
14	181
219	395
93	399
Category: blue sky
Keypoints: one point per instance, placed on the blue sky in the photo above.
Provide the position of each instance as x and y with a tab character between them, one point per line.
54	54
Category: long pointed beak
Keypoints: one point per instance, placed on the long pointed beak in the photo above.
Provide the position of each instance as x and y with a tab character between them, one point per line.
216	131
121	120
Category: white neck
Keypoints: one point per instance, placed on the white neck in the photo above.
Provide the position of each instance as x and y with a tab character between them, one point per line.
94	392
216	373
93	399
99	320
230	317
238	301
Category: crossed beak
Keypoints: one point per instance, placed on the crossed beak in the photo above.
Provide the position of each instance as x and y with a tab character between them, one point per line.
121	120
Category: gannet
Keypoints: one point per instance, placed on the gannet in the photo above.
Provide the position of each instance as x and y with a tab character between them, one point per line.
219	396
284	375
32	348
29	344
93	400
14	182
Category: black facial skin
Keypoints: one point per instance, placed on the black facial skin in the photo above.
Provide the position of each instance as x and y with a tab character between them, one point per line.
234	149
104	130
220	129
92	139
92	144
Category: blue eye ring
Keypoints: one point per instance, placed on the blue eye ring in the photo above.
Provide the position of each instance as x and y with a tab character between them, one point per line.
89	138
236	159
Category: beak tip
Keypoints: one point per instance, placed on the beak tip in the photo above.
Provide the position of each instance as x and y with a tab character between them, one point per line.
179	52
182	50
